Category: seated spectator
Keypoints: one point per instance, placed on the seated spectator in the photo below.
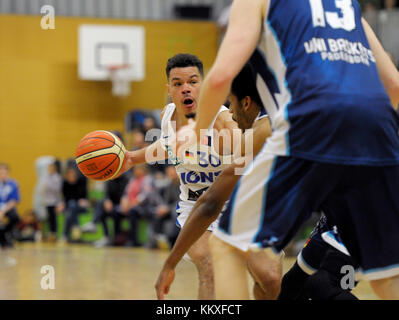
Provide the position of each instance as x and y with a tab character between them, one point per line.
9	198
29	227
164	222
51	192
137	140
148	124
109	207
141	200
74	191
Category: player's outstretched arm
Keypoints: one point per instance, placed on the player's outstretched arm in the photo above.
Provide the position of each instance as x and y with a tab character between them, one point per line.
152	153
241	38
205	211
386	69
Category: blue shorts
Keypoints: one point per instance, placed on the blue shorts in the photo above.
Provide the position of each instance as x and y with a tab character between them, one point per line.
270	204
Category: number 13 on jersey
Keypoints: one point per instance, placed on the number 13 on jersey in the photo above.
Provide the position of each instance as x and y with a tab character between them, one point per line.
345	20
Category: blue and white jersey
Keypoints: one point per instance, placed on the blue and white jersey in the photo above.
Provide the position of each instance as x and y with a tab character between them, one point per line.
9	190
318	80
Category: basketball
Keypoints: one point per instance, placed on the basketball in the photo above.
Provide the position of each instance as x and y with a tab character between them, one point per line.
99	155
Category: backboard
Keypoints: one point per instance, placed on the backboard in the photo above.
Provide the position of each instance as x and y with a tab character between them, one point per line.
104	46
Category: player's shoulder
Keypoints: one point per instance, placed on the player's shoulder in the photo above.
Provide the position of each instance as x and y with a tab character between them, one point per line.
223	119
260	119
262	126
167	108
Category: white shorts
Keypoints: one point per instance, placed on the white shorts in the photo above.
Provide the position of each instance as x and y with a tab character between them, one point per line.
184	212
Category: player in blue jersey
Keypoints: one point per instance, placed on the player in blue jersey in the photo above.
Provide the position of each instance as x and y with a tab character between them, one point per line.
334	143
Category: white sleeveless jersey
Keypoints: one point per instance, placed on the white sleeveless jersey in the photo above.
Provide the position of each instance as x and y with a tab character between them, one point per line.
195	178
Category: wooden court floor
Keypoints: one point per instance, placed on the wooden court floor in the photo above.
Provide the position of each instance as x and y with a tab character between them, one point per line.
83	272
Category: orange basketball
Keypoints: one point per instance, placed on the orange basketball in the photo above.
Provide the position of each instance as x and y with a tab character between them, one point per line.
100	155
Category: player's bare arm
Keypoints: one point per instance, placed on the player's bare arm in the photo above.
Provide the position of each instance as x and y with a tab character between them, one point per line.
241	38
225	128
386	69
206	210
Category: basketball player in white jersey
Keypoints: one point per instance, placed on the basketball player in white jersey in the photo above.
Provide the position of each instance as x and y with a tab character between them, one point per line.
197	169
317	148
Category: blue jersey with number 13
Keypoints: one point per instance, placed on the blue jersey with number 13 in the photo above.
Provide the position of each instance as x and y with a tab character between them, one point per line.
318	80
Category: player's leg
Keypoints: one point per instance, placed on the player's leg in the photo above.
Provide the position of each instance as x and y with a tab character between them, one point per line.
306	264
366	208
266	269
325	284
292	284
304	278
200	254
270	203
230	270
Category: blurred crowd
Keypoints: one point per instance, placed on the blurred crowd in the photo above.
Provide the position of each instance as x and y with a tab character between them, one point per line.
136	209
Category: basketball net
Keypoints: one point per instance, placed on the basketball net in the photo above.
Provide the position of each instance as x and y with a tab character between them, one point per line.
119	76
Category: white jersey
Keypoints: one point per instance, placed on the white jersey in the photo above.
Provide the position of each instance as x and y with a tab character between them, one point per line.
195	178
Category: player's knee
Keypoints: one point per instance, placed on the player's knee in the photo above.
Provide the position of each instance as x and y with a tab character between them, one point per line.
272	283
265	270
268	279
205	269
201	258
259	293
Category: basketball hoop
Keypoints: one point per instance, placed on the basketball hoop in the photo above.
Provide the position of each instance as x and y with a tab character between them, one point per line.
119	76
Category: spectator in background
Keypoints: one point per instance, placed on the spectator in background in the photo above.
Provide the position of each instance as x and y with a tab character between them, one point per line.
74	191
137	139
29	227
389	5
141	200
148	124
9	198
109	207
52	188
164	221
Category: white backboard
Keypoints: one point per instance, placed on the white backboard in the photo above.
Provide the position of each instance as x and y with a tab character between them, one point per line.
101	46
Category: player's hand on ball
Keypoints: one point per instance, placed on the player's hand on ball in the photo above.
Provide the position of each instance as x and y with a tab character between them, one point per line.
164	282
127	164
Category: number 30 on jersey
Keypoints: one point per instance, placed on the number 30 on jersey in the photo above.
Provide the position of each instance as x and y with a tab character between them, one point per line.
345	20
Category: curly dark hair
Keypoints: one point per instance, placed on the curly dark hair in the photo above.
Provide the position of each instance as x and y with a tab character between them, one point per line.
183	60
